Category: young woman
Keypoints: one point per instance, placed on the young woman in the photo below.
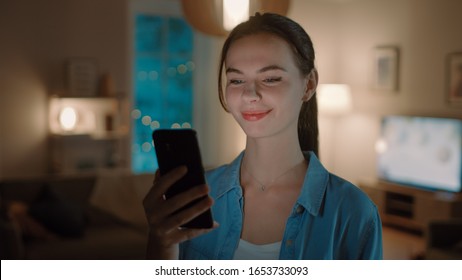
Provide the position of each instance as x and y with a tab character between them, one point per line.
275	200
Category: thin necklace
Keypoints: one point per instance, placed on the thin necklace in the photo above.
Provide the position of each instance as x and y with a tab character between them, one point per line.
264	186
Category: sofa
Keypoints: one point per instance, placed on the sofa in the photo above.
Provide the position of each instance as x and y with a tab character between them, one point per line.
83	217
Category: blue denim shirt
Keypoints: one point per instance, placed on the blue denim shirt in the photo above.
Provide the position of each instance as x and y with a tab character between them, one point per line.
332	219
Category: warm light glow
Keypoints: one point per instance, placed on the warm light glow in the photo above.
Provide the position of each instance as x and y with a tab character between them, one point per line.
218	17
191	65
77	116
234	12
182	69
185	125
136	114
146	147
381	146
146	120
155	124
334	99
68	118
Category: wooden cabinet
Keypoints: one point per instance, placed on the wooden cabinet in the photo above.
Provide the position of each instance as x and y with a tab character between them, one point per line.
409	207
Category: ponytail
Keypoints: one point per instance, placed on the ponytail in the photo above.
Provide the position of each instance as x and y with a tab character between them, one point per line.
308	131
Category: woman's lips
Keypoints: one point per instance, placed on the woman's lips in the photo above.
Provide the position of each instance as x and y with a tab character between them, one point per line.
255	115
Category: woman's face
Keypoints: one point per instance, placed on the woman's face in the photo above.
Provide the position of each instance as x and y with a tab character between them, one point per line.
264	87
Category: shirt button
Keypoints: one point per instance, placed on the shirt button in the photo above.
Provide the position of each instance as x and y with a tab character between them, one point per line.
299	209
289	242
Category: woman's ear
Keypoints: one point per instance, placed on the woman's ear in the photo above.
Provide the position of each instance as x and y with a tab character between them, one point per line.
311	83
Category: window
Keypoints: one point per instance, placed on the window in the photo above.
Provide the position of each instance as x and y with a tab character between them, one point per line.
163	83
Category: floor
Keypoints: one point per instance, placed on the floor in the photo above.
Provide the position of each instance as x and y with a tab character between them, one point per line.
402	245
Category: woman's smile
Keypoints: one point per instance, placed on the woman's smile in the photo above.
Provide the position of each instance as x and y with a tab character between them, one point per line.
255	115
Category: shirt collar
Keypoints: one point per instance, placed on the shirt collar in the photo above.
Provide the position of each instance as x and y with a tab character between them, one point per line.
230	178
313	189
314	185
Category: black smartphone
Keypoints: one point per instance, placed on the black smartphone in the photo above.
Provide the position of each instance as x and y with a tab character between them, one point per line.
176	147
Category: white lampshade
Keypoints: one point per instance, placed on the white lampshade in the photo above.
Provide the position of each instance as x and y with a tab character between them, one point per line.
218	17
334	99
234	12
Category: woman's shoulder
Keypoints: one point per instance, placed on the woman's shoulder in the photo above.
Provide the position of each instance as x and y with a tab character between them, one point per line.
334	190
348	196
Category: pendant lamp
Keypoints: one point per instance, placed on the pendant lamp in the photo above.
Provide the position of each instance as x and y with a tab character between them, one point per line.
218	17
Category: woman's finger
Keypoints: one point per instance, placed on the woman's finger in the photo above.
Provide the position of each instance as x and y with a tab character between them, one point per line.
174	203
165	208
178	219
184	234
162	183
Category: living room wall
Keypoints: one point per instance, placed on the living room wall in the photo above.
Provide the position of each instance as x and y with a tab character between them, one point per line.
38	36
425	31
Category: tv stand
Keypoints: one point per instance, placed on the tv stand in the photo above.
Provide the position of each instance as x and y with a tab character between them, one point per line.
411	208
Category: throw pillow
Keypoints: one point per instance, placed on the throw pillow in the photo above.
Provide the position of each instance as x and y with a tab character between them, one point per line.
58	214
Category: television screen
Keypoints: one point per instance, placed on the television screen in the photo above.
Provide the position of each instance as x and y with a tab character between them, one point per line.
421	152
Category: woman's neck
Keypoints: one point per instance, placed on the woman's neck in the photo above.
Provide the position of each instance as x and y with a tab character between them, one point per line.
267	158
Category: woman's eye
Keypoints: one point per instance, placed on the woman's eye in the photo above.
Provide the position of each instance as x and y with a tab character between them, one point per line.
235	82
272	80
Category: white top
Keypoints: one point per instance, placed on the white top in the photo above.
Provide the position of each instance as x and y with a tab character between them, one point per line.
249	251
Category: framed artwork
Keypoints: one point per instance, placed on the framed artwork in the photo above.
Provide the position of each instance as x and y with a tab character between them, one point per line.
82	76
454	77
386	68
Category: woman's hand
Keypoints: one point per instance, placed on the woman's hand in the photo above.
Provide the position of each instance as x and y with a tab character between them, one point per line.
164	220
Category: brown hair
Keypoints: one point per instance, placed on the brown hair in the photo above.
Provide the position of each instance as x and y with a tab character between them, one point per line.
302	46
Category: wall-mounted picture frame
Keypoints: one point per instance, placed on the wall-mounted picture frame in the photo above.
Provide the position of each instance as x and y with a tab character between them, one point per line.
82	76
386	68
454	77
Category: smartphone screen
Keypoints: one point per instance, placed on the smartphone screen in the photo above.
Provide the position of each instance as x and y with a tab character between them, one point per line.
176	147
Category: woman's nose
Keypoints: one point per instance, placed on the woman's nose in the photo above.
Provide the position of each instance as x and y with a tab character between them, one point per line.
250	93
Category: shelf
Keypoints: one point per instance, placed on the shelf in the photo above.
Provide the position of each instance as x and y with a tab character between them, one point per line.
411	208
399	204
99	117
108	135
94	136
